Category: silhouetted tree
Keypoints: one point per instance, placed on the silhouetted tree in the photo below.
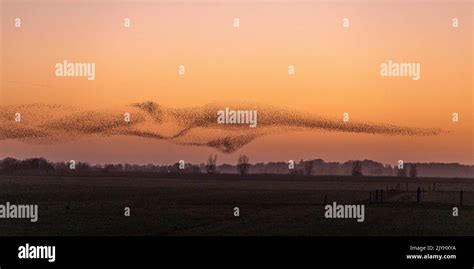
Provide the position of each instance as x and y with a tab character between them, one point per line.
211	164
401	172
36	164
308	167
413	171
60	166
84	166
389	169
243	164
9	164
357	169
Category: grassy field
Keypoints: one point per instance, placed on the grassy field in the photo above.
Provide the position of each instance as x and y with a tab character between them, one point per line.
204	207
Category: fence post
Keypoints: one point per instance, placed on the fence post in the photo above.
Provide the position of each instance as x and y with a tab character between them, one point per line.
460	198
381	196
418	193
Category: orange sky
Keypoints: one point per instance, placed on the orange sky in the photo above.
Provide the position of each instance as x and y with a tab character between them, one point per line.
337	71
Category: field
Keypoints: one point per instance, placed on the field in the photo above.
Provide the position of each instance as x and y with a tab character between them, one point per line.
205	207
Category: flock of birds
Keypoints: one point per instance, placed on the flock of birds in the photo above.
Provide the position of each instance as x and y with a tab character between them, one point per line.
193	126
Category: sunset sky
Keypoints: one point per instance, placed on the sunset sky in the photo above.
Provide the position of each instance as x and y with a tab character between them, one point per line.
337	70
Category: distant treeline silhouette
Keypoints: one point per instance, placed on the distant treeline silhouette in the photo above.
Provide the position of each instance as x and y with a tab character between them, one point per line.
317	167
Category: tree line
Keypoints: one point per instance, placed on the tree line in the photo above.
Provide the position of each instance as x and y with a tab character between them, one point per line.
41	166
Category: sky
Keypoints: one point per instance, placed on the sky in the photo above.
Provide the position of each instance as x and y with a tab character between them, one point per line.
337	70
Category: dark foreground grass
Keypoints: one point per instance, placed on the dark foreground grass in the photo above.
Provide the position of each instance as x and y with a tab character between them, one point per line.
179	207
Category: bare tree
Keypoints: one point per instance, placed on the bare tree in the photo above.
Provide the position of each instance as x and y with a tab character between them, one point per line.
357	168
308	167
211	166
401	172
243	164
413	171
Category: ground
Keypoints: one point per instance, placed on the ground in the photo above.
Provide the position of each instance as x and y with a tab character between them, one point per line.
205	207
